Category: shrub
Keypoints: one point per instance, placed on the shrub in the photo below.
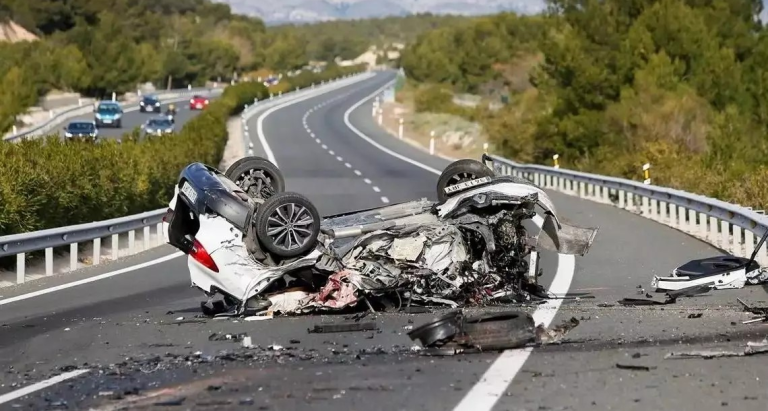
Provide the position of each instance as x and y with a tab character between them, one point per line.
52	183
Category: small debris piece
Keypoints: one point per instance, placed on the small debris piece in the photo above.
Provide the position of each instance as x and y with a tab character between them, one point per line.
171	402
344	327
695	315
635	367
227	337
294	342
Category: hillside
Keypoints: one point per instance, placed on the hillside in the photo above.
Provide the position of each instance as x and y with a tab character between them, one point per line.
309	11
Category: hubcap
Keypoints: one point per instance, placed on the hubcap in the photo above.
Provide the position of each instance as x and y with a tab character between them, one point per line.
460	178
289	226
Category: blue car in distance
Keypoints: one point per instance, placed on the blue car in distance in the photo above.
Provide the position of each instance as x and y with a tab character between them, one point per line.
108	114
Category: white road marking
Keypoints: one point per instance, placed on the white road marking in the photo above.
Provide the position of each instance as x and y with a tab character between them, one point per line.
318	140
347	165
91	279
384	200
492	385
331	152
484	395
367	181
358	172
40	385
376	189
339	158
264	115
324	147
374	143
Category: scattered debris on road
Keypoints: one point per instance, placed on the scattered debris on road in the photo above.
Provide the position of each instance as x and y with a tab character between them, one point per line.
634	367
752	348
345	327
455	332
671	296
760	312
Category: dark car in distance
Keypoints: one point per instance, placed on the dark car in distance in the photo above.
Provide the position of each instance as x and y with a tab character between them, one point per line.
81	130
149	104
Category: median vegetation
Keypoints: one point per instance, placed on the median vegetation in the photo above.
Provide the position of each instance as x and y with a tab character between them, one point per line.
611	85
50	183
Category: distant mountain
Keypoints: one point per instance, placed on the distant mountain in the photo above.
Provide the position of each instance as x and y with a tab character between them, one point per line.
309	11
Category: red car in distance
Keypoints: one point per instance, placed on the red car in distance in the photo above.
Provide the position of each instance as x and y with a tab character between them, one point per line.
198	103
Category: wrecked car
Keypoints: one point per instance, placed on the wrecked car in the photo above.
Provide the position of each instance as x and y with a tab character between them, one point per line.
262	247
718	272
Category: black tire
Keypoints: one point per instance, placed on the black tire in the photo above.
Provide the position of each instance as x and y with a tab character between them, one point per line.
458	172
287	209
258	177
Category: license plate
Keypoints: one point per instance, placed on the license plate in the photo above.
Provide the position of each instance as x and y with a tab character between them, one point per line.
107	121
467	184
150	108
189	192
199	105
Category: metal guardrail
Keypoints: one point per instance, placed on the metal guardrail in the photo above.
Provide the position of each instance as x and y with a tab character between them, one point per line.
72	236
68	113
730	227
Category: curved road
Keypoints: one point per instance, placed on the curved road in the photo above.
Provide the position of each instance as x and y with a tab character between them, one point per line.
126	323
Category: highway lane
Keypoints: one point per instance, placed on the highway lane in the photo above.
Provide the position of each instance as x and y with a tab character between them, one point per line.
627	250
134	119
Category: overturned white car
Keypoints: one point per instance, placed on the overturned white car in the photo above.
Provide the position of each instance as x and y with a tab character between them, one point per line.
264	248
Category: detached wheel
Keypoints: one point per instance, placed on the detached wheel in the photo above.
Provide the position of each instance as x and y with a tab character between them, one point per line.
287	225
459	172
258	177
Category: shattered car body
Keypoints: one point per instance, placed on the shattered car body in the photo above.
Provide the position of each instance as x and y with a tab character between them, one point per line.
718	272
262	247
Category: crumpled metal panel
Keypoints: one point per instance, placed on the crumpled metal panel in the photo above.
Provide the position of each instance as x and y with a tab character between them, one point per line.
568	239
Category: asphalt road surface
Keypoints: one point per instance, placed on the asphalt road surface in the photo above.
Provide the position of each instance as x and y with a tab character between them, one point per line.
126	327
134	119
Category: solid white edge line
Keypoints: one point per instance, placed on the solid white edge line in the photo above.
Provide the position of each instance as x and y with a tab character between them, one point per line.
484	395
91	279
265	114
40	385
375	144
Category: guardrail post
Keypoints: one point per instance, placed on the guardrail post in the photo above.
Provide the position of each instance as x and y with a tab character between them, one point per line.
160	239
400	129
692	228
49	261
115	246
703	229
673	216
96	251
646	206
622	199
131	242
581	189
749	242
654	214
15	130
146	238
73	257
712	231
725	236
738	250
20	268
